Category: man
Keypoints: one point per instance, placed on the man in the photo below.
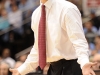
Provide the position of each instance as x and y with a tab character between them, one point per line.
65	41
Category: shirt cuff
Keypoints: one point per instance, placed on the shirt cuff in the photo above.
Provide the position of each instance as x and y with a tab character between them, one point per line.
25	68
83	61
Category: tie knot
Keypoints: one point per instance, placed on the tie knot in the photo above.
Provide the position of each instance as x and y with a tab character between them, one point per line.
43	6
43	9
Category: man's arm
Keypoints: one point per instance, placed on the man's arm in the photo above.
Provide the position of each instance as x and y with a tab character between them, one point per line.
31	62
76	35
29	65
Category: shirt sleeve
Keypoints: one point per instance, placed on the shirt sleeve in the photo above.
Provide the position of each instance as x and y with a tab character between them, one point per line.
76	35
30	64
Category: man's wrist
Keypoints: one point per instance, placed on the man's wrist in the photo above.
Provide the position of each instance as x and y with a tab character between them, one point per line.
83	62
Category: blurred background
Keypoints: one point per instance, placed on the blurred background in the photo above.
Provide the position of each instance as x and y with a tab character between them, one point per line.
17	38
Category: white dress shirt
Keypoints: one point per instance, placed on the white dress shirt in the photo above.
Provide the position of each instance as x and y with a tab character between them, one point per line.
64	35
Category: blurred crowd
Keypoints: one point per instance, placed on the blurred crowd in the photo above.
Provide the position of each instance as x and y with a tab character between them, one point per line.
16	33
91	27
15	24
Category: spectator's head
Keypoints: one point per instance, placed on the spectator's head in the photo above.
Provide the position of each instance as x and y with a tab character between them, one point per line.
18	64
5	53
4	68
23	2
22	58
3	13
13	2
88	25
97	39
2	5
97	42
14	7
96	58
92	14
0	58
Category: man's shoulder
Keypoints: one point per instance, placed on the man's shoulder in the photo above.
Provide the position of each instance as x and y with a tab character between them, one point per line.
36	11
66	4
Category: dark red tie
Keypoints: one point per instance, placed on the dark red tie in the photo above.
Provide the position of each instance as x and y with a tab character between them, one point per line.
42	38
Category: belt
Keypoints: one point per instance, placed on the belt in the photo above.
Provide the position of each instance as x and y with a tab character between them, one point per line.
62	61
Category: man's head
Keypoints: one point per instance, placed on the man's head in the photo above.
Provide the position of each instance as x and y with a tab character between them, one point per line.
43	1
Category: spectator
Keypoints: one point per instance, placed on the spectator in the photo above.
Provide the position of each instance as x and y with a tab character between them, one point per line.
90	31
2	5
96	58
6	57
97	45
4	20
22	58
95	19
99	31
4	68
0	58
15	18
27	7
35	3
17	64
7	5
89	26
4	24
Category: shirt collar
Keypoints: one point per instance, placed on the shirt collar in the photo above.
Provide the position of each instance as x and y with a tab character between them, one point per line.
49	3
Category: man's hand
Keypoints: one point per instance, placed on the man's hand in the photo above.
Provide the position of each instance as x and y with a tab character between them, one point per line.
87	69
15	72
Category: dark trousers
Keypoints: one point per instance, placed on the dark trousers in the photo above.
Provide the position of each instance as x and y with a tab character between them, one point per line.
65	67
